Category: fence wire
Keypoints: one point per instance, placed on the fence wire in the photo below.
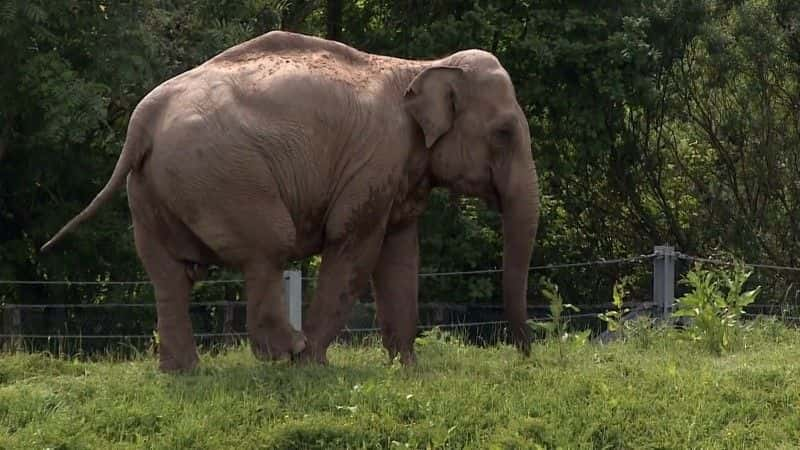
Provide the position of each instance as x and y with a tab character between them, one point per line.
720	262
345	330
779	316
600	262
566	317
110	305
109	336
211	335
76	283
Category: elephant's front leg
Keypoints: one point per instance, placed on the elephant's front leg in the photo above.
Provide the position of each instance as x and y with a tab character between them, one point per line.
271	335
396	287
345	271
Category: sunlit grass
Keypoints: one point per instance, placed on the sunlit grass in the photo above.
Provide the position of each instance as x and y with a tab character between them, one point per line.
657	391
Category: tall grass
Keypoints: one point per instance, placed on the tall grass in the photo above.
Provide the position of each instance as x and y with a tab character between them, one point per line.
651	391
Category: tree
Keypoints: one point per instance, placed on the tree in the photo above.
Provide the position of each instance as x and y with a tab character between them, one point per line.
333	19
670	120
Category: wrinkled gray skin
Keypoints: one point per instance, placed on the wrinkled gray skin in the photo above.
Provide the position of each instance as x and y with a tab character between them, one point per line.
287	146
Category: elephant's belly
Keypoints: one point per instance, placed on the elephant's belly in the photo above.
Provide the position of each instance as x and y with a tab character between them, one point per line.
309	238
306	248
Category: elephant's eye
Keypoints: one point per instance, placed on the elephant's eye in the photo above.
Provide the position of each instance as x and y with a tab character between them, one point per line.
502	136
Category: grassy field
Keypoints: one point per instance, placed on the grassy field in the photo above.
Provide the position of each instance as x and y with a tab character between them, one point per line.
653	391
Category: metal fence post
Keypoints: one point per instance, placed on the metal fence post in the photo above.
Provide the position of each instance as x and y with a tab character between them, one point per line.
228	317
664	279
11	325
293	295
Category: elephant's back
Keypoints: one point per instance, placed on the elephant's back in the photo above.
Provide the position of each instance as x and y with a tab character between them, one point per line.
276	73
277	54
281	43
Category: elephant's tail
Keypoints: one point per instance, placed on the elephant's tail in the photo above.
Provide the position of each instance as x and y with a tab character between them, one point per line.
137	145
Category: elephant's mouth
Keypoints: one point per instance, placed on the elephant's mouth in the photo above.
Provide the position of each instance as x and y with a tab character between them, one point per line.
493	197
487	192
499	203
492	200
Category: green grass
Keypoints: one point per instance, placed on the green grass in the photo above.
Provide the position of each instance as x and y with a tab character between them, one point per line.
654	391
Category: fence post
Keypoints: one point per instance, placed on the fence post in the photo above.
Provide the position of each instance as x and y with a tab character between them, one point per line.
664	279
12	324
228	317
293	295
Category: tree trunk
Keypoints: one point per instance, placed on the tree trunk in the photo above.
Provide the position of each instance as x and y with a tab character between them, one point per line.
294	15
333	20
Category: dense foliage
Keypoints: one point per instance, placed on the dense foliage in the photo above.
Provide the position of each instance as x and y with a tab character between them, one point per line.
661	121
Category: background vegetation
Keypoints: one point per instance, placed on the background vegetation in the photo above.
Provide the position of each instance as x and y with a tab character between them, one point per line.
662	121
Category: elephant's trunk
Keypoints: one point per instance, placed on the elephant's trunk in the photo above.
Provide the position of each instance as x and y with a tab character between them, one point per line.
520	206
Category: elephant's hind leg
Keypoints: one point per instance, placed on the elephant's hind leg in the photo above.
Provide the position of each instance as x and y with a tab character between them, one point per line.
271	334
177	350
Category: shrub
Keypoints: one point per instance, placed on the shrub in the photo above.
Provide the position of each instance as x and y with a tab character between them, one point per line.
613	318
715	304
556	329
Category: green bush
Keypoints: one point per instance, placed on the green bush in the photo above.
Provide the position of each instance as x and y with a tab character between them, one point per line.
556	329
613	318
642	331
715	304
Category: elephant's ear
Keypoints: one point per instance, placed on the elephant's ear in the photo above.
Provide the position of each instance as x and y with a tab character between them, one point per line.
430	100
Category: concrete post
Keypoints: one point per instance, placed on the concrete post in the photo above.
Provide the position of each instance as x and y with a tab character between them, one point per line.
293	296
664	279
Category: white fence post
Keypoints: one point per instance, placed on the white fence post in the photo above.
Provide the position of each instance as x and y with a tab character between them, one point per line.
664	279
293	296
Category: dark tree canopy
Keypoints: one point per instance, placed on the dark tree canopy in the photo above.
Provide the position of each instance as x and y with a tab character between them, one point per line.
664	121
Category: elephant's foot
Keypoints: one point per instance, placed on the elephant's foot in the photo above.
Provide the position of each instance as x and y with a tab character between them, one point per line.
407	356
315	352
402	346
174	364
312	355
177	351
277	346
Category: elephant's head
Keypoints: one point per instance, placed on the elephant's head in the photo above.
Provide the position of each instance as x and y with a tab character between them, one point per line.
480	145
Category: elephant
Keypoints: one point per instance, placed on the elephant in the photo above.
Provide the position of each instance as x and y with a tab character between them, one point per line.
288	145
